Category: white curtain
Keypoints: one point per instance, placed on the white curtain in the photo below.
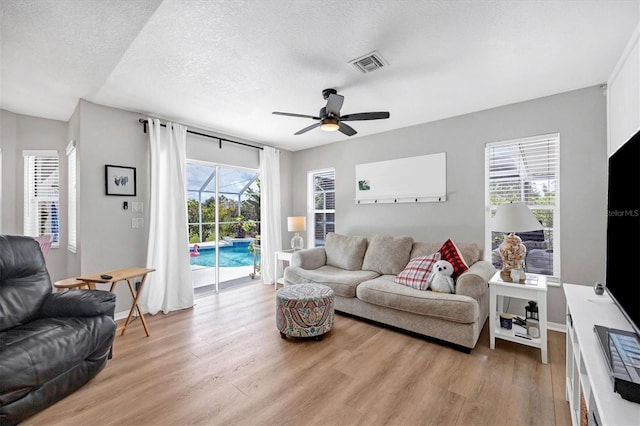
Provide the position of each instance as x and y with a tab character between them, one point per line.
168	288
270	220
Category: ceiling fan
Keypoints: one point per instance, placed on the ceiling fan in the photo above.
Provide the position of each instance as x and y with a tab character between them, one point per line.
329	118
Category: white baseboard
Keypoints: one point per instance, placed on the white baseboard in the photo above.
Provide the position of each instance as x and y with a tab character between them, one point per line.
122	315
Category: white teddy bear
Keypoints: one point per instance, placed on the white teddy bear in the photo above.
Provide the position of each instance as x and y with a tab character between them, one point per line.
440	279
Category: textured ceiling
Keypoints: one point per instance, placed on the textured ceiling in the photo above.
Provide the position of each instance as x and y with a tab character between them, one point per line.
225	65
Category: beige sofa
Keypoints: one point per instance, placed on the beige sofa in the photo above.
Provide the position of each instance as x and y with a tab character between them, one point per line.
362	274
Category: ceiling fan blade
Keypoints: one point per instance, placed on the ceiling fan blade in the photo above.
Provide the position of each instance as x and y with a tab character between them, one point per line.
347	130
365	116
334	103
290	114
306	129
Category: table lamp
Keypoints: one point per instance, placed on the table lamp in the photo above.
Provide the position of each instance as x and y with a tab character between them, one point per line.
297	224
511	218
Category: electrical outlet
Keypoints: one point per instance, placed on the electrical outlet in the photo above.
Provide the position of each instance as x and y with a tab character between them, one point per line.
137	222
136	206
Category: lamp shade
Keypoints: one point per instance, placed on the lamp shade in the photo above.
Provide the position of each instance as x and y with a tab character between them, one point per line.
296	223
514	217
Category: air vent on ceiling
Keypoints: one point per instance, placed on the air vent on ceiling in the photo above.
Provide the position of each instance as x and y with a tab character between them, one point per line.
369	62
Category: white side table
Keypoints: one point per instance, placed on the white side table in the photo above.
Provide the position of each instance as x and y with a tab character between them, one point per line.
534	288
284	256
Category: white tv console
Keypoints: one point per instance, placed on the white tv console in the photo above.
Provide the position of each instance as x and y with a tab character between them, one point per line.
586	367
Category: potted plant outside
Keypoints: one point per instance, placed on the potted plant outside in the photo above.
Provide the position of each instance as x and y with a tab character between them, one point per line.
240	231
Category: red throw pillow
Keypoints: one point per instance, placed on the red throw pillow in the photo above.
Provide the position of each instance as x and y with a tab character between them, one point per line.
451	254
417	271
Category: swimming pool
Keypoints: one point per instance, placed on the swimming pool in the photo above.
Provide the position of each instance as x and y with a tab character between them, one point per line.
230	256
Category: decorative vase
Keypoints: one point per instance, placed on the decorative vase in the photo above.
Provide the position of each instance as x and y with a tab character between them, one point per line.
513	253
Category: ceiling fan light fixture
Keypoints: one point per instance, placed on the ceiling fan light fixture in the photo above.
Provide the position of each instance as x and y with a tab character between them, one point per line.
330	125
329	119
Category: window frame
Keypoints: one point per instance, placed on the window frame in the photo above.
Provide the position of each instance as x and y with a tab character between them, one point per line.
312	241
32	223
72	200
553	160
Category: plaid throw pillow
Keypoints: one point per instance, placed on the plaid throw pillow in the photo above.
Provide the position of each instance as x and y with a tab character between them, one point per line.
452	254
417	271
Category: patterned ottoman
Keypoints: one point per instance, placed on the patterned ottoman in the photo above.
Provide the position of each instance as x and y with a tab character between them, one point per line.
304	310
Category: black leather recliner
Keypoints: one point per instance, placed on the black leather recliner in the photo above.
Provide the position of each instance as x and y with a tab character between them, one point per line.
50	343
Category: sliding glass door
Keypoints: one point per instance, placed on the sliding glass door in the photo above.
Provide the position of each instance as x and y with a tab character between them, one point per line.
223	205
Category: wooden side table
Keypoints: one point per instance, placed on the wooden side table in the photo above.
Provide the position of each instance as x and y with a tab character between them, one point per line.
123	274
534	288
284	256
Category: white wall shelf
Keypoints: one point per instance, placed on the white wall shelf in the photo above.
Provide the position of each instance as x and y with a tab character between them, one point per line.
398	200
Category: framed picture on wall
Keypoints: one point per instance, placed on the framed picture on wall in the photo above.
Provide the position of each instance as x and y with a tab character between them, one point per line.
120	180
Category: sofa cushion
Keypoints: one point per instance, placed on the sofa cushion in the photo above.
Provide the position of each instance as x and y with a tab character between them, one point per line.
309	258
342	282
416	273
383	291
346	252
387	254
46	350
470	252
424	249
451	254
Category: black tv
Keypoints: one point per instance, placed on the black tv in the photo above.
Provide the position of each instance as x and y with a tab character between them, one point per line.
623	230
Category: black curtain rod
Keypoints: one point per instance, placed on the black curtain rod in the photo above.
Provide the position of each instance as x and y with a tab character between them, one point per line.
145	123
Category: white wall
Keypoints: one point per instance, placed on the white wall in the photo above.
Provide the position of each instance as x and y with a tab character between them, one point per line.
105	237
8	145
580	118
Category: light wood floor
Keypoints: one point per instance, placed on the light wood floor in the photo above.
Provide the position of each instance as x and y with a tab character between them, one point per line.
223	363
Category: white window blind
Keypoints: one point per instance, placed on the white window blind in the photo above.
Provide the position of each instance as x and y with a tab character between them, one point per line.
72	198
527	170
322	205
41	194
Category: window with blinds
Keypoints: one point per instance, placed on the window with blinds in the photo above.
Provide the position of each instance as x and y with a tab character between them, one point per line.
527	170
322	204
72	244
41	194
